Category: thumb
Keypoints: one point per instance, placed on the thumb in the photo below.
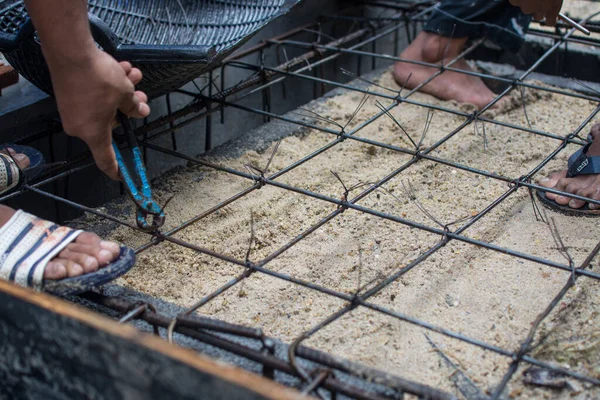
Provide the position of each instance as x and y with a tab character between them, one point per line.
104	155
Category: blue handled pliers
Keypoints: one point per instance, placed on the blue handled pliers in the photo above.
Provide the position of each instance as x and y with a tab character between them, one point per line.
141	196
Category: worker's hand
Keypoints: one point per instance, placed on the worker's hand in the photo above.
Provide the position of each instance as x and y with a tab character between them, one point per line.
88	94
540	9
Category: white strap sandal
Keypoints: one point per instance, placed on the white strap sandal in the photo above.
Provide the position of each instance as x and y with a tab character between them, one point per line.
28	243
10	174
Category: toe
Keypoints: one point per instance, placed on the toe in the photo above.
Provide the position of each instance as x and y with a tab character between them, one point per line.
563	200
551	181
101	255
88	262
574	203
88	238
73	269
86	255
21	159
568	185
585	192
113	247
55	271
595	196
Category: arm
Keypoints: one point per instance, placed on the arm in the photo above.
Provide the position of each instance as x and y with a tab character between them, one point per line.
89	85
540	9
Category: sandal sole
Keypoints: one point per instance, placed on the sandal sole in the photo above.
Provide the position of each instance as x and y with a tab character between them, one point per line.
584	211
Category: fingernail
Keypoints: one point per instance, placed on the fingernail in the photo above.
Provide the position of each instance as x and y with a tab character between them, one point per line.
594	206
19	157
572	204
545	179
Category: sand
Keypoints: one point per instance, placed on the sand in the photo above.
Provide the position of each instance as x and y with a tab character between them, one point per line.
580	9
480	293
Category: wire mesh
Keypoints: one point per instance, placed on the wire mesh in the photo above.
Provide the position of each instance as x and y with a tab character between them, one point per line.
359	42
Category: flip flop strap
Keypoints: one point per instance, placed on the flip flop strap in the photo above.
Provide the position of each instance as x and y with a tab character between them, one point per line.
581	164
27	244
9	173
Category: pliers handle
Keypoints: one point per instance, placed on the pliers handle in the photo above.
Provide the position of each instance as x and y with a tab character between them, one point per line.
141	196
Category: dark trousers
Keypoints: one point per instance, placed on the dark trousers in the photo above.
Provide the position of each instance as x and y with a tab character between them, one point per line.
498	20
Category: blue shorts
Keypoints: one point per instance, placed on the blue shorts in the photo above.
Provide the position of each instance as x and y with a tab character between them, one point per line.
498	20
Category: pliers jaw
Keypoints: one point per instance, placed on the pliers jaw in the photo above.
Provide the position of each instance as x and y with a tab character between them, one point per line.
147	210
142	196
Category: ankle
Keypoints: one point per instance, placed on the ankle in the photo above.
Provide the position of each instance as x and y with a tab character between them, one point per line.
435	47
6	214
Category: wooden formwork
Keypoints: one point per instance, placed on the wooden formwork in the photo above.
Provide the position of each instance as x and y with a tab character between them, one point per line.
53	349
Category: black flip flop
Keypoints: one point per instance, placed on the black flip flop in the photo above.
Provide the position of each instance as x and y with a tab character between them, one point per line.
584	211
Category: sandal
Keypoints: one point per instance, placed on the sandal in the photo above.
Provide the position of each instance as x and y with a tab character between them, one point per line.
11	176
28	243
579	164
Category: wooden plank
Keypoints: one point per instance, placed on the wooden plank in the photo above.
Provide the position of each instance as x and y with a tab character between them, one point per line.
53	349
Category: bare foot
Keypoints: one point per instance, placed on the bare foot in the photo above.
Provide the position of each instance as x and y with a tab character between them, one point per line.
86	254
431	48
583	185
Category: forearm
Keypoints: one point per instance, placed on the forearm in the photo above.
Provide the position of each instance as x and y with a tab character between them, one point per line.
64	30
89	85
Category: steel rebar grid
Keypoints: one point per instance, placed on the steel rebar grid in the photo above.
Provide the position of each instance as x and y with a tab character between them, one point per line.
584	124
337	315
446	235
